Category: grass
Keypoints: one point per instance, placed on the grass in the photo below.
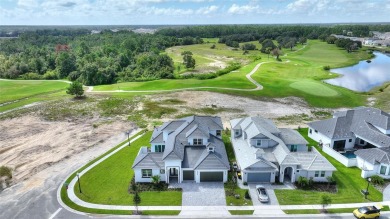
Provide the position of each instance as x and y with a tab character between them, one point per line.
300	74
20	89
241	212
330	210
349	184
160	212
108	182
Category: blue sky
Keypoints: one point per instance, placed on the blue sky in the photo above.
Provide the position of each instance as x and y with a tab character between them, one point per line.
133	12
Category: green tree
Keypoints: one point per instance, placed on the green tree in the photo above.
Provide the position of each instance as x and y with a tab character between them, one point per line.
276	52
188	60
325	201
136	201
75	88
65	64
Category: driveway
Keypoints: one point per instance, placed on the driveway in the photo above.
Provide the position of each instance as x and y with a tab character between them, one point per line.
202	194
272	197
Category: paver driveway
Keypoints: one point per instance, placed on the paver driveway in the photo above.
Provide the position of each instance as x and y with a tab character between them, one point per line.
271	194
202	194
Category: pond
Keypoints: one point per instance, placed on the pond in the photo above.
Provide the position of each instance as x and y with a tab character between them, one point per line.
364	76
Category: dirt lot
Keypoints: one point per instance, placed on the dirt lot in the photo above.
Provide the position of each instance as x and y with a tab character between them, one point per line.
288	110
30	144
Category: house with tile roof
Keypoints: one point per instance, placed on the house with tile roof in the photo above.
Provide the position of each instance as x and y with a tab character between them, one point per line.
366	127
266	153
374	161
190	149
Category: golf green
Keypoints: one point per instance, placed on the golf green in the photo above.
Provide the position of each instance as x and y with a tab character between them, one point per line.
314	88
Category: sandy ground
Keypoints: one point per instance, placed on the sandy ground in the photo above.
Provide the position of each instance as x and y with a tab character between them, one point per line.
30	145
241	107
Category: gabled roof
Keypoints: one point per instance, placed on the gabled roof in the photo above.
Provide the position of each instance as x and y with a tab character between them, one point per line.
363	122
292	137
374	155
149	160
248	156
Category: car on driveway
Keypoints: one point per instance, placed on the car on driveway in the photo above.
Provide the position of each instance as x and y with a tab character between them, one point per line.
262	193
367	212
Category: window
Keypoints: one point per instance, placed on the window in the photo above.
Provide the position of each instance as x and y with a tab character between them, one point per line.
159	148
236	132
294	148
146	173
315	131
383	170
310	131
162	171
198	141
361	141
218	132
258	143
322	173
350	140
297	171
316	174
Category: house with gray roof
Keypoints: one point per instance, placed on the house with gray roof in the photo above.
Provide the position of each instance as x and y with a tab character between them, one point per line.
190	148
266	153
364	127
374	161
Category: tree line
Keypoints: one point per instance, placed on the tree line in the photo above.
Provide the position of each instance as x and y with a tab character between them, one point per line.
92	59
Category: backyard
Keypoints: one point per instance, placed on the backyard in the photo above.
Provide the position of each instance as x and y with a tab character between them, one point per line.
349	183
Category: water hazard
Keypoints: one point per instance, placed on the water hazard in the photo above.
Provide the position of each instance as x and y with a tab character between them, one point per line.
364	76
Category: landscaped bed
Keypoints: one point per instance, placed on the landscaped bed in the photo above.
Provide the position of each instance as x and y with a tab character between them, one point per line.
348	180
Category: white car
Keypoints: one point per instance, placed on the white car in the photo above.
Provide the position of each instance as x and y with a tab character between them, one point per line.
262	193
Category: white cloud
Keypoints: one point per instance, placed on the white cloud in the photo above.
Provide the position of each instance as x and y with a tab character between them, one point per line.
242	9
207	10
28	3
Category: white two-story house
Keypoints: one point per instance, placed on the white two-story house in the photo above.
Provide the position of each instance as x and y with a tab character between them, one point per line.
190	149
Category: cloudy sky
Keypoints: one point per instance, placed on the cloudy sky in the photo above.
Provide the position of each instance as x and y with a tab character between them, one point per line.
132	12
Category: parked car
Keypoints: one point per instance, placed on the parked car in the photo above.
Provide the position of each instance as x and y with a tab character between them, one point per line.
262	193
367	212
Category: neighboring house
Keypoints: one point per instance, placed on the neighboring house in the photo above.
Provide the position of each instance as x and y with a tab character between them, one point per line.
266	153
374	161
363	127
190	148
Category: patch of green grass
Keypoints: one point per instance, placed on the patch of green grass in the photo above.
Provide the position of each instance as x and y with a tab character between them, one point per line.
108	182
173	102
314	88
232	200
241	212
20	89
156	111
179	116
160	212
115	106
348	179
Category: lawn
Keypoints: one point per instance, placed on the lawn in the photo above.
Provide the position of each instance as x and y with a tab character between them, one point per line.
241	212
17	93
299	74
349	184
108	182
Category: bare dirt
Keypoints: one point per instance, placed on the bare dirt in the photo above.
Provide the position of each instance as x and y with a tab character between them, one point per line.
235	106
30	144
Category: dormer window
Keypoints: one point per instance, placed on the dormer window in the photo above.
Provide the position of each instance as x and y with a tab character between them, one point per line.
211	149
219	133
198	141
258	143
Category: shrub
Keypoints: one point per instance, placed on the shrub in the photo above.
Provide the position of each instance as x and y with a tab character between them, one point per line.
302	182
50	75
212	46
5	171
326	67
247	195
31	76
377	180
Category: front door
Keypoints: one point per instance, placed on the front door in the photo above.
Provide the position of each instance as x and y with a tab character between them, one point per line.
172	172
